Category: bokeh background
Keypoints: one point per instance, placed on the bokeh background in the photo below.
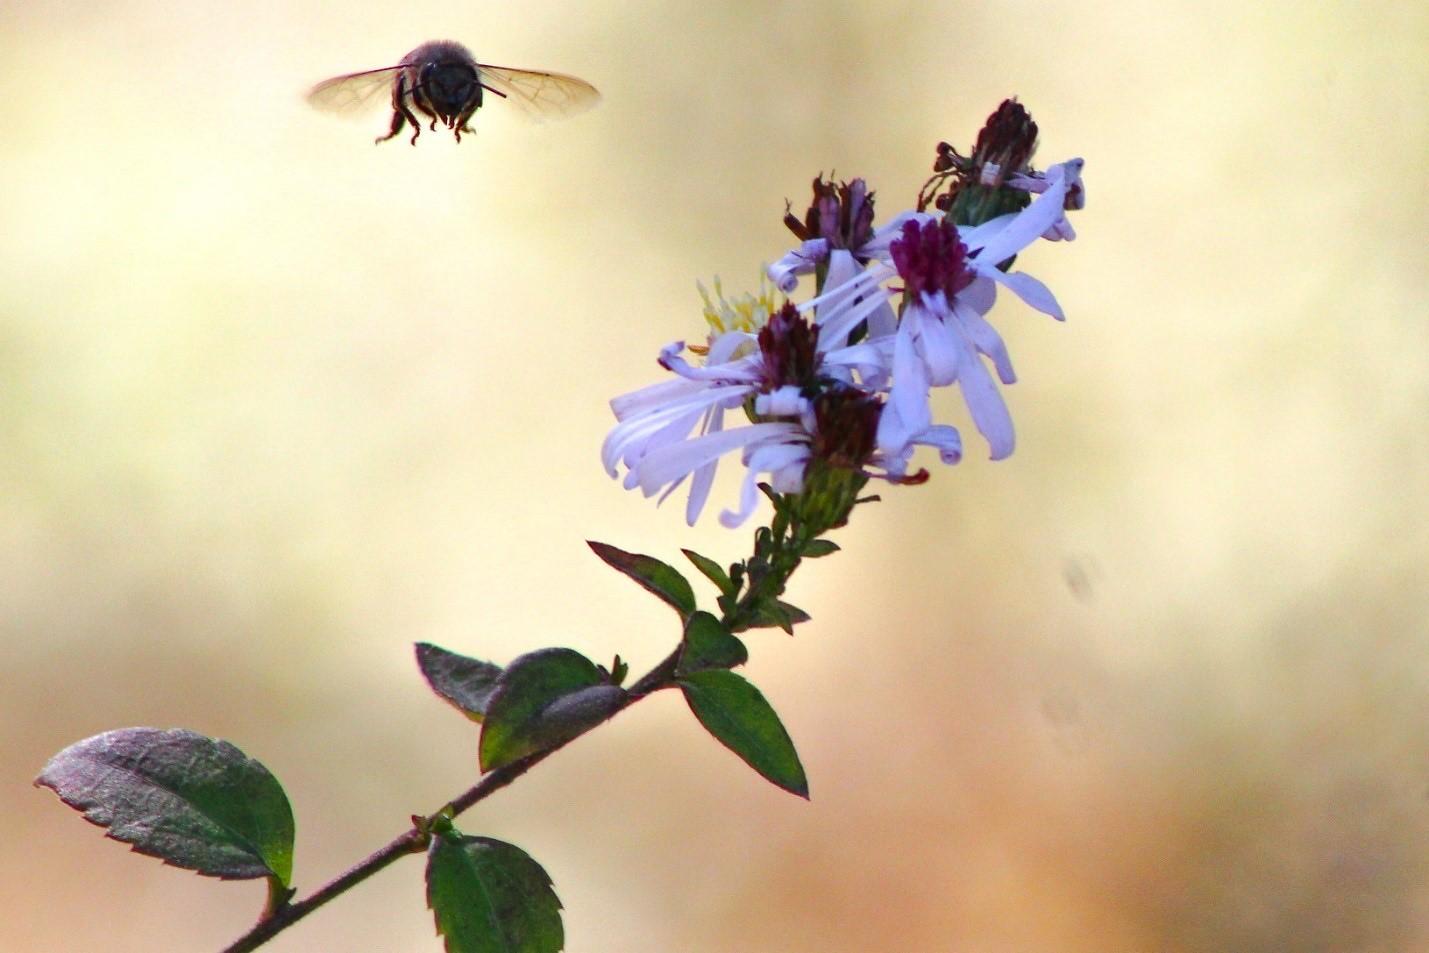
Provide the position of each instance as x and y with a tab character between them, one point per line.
275	403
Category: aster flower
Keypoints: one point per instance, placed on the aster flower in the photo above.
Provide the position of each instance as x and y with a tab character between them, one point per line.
950	283
789	388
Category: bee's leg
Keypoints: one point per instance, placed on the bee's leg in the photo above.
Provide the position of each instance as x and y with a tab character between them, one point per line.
460	126
400	113
398	120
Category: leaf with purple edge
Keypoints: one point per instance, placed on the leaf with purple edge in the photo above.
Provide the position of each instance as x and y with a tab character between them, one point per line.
191	801
544	699
659	578
465	683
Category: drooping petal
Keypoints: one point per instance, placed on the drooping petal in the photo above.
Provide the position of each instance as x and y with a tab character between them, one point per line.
985	338
945	439
772	458
704	475
985	404
940	348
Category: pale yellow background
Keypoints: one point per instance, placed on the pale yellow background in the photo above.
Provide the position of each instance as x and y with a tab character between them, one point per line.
275	403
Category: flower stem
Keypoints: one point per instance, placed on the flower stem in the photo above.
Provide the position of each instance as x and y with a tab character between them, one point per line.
414	841
777	553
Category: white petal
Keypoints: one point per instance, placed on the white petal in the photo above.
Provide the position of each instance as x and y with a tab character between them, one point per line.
704	476
945	440
986	339
785	401
1029	224
985	403
672	461
1030	290
766	458
786	271
938	344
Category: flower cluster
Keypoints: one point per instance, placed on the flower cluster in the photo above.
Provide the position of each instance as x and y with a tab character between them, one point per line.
843	380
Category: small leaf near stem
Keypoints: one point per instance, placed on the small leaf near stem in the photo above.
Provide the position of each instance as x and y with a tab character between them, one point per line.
490	897
739	717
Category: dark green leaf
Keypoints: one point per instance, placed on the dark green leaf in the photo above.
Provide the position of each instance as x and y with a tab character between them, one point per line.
815	548
709	645
544	699
466	683
776	614
191	801
491	897
712	571
660	578
737	715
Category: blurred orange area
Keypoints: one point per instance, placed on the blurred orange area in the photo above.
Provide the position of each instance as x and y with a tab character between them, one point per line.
278	403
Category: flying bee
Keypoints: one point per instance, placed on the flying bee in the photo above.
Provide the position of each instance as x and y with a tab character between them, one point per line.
442	81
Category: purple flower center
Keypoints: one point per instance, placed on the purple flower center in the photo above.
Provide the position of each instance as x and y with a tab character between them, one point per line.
930	258
846	427
789	344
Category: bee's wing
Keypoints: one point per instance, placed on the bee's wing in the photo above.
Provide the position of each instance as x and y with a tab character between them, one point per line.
352	92
539	95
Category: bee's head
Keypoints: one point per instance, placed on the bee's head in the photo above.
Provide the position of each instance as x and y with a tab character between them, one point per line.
451	87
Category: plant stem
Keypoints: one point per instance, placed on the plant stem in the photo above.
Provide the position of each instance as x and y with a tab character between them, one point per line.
415	840
773	564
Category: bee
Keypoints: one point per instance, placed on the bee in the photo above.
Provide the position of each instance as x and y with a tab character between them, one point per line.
442	81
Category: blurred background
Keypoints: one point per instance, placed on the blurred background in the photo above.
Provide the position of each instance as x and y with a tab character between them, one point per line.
276	403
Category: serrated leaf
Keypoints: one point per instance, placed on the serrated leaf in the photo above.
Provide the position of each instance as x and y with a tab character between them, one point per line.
712	571
708	644
815	548
736	713
191	801
543	699
465	683
653	575
488	896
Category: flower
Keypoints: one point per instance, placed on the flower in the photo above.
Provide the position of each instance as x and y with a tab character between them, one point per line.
798	397
950	284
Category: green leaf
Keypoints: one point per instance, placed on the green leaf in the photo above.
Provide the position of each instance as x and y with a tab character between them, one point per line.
709	645
191	801
777	614
465	683
490	897
735	712
713	572
815	548
660	578
544	699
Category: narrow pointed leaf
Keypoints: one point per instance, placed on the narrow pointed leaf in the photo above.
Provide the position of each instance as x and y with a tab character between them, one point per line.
709	645
191	801
544	699
659	578
465	683
736	713
712	571
490	897
815	548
